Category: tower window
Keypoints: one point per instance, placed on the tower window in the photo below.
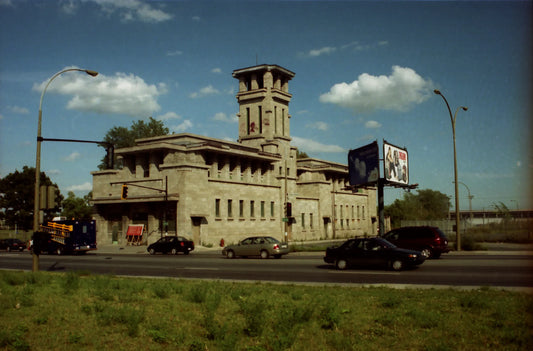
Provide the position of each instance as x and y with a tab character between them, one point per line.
248	121
260	119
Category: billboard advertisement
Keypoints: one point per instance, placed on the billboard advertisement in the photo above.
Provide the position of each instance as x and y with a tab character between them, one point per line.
396	164
363	165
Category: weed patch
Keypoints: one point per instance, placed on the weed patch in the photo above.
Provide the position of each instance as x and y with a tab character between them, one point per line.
51	311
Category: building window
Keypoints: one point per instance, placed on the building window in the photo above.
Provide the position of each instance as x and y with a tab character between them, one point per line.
303	220
358	213
260	119
248	121
275	120
217	207
230	209
252	208
272	209
241	208
283	121
262	209
363	209
311	220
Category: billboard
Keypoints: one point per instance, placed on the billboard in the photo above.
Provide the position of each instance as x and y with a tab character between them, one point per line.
363	165
396	164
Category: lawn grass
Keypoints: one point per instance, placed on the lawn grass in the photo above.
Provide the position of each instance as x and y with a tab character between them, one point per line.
52	311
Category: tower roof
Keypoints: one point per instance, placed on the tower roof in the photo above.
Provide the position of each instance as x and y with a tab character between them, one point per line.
261	68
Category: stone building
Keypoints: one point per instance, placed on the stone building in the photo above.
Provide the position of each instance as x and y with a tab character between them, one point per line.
210	189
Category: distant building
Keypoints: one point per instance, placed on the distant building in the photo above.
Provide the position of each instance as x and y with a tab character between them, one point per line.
210	189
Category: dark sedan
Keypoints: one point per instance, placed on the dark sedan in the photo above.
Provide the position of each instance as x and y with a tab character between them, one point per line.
369	252
171	244
12	245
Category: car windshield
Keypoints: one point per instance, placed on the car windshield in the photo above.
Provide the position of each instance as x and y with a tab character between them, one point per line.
271	240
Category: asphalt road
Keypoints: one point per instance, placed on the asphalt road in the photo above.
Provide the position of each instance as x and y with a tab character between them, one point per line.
514	271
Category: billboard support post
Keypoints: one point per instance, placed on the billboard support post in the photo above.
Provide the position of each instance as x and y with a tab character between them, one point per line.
381	207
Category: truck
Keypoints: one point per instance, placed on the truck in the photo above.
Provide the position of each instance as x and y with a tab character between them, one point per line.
65	237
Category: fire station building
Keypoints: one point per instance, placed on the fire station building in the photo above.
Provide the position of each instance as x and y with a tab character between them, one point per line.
209	189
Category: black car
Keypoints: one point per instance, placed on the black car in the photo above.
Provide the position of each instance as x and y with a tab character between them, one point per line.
372	252
171	244
12	245
431	241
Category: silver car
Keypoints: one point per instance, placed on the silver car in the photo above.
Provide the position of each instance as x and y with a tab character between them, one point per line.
263	246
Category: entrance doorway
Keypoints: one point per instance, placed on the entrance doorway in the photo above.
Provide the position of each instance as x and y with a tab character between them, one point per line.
196	229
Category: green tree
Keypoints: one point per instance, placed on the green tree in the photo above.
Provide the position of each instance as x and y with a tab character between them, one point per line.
17	195
426	205
124	137
301	154
77	207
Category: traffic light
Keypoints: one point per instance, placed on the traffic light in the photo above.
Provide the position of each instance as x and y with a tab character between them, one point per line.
124	193
288	209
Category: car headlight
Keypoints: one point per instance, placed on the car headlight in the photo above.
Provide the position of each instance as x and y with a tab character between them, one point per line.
412	255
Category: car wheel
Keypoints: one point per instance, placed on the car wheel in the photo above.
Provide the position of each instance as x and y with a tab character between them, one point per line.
426	252
264	254
436	255
341	264
396	265
230	254
186	252
174	251
151	251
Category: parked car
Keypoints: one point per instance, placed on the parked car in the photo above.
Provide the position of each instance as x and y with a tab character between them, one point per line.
431	241
171	244
12	245
368	252
263	246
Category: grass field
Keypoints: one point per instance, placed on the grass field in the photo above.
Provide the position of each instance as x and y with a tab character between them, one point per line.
79	311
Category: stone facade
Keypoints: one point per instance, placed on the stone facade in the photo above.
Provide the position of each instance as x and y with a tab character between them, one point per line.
210	189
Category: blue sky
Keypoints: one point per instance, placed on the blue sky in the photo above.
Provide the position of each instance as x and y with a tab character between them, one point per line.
365	71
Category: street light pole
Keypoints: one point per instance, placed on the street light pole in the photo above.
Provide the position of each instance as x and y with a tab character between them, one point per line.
36	199
453	118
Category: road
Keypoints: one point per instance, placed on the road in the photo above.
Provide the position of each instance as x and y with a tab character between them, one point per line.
451	270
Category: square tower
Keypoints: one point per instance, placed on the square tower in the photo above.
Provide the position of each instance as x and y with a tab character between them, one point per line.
263	99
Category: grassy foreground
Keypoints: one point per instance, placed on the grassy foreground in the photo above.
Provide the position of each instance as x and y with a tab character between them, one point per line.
76	311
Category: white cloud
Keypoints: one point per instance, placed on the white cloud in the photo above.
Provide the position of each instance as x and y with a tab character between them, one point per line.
122	93
133	10
81	187
72	157
221	116
174	53
318	125
180	128
216	70
322	51
399	91
205	91
68	6
309	145
19	110
168	116
196	18
372	124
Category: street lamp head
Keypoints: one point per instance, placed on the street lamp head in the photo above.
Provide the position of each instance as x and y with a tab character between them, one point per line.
464	108
91	73
437	91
